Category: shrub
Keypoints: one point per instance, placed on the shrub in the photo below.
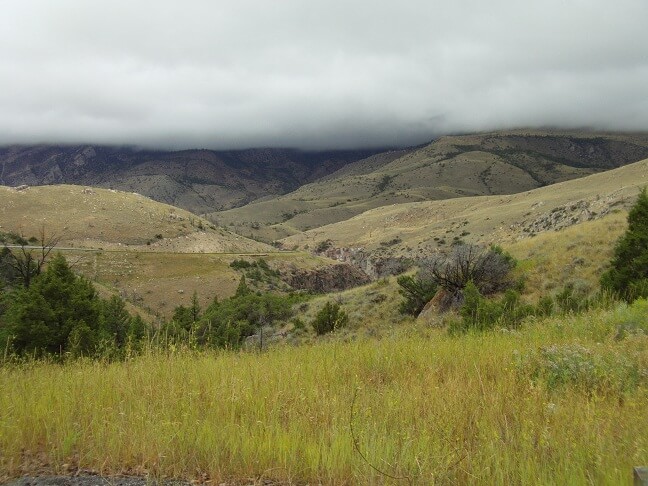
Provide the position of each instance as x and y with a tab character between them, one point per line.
479	313
330	318
322	246
229	322
240	264
416	291
590	370
488	269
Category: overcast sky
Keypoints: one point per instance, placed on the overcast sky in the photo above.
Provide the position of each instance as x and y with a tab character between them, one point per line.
316	74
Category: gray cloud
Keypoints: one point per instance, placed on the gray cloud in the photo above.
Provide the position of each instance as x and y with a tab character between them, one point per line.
316	74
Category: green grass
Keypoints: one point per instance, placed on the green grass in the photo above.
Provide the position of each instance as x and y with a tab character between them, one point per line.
436	409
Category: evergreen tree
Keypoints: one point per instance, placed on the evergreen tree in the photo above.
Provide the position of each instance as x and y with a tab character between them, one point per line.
628	274
61	313
115	320
137	329
182	317
242	289
195	307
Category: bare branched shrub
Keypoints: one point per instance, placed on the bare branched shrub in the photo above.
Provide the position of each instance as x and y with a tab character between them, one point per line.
26	260
488	268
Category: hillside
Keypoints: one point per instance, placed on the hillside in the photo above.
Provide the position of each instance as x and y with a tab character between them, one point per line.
472	165
415	229
153	255
200	181
105	218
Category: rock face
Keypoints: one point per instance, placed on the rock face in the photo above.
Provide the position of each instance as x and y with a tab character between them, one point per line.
341	276
372	265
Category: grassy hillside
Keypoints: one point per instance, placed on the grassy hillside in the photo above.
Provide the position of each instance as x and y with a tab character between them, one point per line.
558	402
105	218
157	282
419	228
472	165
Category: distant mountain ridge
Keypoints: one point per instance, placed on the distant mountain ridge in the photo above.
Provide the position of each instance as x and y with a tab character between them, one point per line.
502	162
198	180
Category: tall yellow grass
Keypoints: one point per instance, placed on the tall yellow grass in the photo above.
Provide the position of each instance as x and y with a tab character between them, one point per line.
428	407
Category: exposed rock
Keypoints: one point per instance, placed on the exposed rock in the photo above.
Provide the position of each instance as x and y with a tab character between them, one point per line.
372	265
442	301
341	276
568	215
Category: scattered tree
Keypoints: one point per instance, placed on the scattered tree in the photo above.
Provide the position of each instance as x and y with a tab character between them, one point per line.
628	275
25	258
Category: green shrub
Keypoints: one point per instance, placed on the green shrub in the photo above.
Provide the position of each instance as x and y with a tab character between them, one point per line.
479	313
591	370
416	292
488	269
628	275
329	319
229	322
632	319
240	264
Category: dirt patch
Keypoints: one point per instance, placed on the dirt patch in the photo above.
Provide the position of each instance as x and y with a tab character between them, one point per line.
89	480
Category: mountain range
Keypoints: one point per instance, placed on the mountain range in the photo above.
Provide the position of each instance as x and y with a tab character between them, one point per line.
199	181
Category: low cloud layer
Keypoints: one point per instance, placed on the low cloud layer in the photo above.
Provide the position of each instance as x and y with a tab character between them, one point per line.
315	74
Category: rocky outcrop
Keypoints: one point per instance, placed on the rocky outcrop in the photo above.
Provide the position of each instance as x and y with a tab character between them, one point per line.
443	301
372	265
333	278
568	215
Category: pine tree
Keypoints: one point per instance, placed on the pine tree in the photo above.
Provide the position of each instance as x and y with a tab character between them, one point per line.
115	320
242	289
628	274
57	311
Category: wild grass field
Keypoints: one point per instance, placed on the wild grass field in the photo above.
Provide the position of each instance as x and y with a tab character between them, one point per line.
561	401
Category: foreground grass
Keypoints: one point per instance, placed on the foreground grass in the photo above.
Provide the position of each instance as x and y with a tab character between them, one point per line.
432	408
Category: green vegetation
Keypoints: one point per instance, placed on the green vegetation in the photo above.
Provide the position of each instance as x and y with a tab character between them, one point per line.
330	318
487	270
227	323
384	182
559	401
60	314
416	292
629	273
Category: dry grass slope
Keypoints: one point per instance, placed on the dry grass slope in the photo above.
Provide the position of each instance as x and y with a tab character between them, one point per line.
105	218
504	162
428	226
